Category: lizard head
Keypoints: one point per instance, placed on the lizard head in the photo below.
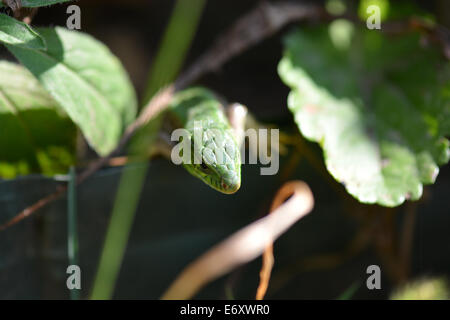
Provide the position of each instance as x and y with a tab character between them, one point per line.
215	156
218	160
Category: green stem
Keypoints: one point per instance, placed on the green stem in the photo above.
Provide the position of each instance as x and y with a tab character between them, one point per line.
170	58
72	237
176	41
118	231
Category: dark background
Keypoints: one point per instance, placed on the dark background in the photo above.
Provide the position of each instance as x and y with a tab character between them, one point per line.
179	218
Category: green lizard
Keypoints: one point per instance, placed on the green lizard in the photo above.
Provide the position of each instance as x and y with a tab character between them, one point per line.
214	136
215	145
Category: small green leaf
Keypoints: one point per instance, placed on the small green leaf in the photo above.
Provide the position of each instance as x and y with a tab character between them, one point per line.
17	33
36	136
87	81
379	108
37	3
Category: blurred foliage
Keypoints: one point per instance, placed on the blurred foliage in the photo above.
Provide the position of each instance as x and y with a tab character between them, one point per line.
184	21
87	80
405	9
364	11
35	133
335	7
15	32
425	289
380	118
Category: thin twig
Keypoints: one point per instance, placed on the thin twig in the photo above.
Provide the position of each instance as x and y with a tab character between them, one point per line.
38	205
268	259
156	105
262	22
243	246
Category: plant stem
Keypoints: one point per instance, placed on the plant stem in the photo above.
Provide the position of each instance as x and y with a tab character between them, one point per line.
72	234
175	44
177	39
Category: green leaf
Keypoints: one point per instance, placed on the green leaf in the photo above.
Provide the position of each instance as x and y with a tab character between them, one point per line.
36	136
379	107
37	3
18	33
87	81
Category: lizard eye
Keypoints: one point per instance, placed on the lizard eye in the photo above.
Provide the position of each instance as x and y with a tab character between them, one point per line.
204	168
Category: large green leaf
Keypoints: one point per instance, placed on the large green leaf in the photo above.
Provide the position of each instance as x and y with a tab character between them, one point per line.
87	81
18	33
379	106
35	133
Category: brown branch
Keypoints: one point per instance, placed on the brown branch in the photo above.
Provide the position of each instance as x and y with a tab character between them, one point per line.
156	105
268	260
38	205
262	22
244	245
